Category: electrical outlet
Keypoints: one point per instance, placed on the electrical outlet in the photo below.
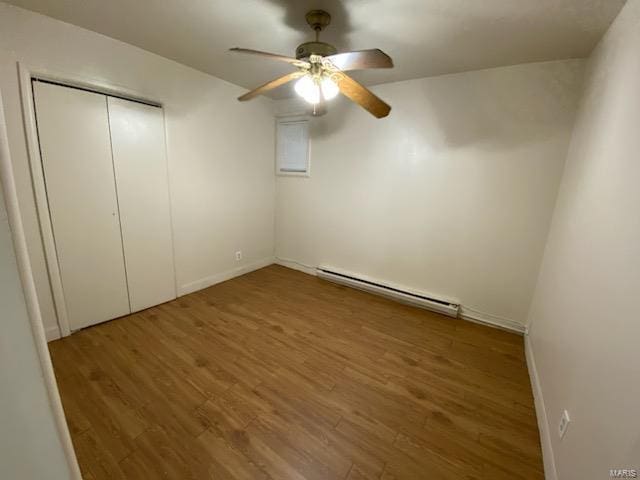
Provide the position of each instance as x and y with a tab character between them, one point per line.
239	255
564	424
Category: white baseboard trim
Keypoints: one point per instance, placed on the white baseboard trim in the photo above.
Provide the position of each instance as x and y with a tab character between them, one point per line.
550	472
301	267
221	277
52	333
476	316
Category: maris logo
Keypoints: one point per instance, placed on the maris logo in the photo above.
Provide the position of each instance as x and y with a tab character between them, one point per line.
623	473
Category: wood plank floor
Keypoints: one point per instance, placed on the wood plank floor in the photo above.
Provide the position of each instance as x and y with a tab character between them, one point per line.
280	375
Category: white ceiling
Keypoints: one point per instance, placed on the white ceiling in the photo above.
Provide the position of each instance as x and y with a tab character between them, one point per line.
424	37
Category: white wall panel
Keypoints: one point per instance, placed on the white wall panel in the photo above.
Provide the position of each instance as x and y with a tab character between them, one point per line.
451	194
584	325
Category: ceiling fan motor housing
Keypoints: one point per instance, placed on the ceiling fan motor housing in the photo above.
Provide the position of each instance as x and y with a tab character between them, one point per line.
305	50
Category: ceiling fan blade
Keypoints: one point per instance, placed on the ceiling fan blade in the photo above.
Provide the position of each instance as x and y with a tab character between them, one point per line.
272	56
270	86
361	95
361	60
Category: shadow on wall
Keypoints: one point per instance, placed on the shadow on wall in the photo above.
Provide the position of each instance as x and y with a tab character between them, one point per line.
503	108
509	107
334	120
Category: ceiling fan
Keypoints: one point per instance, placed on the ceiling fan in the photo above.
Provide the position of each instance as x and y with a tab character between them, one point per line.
321	70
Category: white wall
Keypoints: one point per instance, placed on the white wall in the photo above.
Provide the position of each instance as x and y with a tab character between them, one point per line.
585	330
220	151
452	194
30	444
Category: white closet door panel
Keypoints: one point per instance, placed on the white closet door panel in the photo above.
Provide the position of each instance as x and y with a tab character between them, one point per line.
73	128
139	155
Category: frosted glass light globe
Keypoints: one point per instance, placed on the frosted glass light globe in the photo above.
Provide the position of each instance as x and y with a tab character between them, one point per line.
329	88
308	89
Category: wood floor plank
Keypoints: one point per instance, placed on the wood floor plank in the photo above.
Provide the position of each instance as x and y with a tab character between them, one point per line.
277	374
97	460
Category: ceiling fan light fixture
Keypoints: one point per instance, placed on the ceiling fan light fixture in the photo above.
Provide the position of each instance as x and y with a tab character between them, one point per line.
308	89
329	88
321	71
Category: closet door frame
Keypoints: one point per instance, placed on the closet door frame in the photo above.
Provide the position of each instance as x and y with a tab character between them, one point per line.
27	74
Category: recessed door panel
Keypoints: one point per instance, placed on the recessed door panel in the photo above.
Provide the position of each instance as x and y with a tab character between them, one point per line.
73	129
139	155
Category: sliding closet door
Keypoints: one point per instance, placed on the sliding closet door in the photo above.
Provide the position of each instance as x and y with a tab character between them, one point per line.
139	155
73	128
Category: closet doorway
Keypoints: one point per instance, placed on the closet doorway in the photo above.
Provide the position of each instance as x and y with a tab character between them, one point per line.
104	169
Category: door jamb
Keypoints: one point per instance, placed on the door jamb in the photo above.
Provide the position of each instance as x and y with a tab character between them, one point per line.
31	299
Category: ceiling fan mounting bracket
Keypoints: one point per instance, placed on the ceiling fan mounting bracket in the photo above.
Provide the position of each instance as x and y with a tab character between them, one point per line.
318	19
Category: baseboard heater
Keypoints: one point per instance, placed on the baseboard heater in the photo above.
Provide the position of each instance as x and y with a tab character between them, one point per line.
389	291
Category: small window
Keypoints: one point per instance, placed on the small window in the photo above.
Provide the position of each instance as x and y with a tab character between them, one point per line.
292	146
